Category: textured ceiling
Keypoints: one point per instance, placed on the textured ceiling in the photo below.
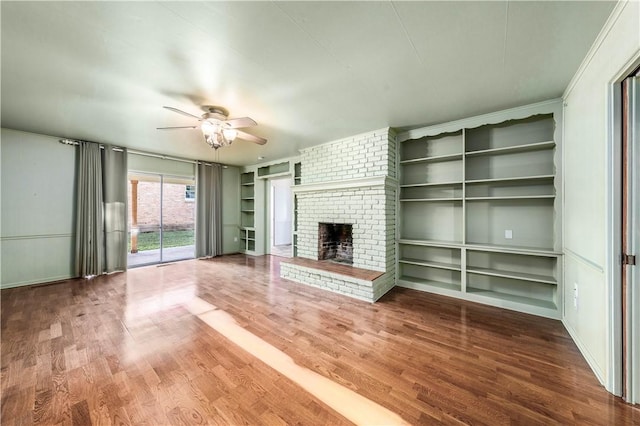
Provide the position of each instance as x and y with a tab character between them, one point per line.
307	72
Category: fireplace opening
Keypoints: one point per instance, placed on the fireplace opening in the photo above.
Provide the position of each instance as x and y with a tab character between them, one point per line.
335	242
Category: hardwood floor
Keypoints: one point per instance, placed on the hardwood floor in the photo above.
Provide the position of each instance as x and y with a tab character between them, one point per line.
126	349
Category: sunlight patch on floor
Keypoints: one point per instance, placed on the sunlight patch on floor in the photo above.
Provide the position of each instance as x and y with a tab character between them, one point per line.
355	407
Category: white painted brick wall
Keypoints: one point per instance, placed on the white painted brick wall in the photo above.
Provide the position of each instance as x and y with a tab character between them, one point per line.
366	155
371	210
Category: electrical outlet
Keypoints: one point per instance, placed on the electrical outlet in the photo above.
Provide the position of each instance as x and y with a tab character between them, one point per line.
575	295
235	239
508	234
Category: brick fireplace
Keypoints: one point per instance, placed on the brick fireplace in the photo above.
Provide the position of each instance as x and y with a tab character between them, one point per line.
348	182
335	242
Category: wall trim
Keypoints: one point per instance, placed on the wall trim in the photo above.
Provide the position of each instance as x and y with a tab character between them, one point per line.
602	35
544	107
51	280
585	353
381	181
35	237
583	260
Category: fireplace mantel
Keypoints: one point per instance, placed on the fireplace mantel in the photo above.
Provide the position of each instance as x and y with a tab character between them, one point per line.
381	181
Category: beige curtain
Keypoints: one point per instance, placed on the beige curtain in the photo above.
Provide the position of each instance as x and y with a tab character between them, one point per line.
101	208
208	210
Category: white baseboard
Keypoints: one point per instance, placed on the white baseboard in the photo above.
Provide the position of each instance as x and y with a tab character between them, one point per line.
33	282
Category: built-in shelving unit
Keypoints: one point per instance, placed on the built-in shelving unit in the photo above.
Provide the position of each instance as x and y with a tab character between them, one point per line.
248	239
247	211
479	209
297	180
255	198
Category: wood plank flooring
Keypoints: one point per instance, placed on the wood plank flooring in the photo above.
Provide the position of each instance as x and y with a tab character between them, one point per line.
124	349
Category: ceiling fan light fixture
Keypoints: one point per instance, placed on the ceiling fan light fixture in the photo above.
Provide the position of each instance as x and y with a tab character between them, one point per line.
229	134
218	130
216	135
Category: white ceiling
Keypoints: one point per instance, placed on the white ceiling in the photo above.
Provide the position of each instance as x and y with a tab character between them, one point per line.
307	72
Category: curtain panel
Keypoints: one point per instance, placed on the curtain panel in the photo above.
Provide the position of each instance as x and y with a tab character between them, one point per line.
101	210
208	210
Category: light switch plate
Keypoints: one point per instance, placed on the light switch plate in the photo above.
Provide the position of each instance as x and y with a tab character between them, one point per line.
508	234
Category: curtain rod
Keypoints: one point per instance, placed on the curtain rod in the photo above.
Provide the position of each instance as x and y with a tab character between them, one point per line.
143	153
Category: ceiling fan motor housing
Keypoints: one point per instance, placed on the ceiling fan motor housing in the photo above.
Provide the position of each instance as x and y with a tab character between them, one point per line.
215	112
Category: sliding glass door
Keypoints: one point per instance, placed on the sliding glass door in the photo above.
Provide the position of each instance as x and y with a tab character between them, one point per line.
161	218
178	218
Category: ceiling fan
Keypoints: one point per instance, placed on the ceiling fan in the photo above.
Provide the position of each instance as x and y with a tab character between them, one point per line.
217	128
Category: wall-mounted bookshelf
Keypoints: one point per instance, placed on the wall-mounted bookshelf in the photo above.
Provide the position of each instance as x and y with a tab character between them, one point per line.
479	209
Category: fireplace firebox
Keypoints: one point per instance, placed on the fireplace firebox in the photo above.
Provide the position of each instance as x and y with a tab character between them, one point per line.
335	242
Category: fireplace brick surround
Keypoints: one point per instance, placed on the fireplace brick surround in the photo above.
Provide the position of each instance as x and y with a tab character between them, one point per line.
349	181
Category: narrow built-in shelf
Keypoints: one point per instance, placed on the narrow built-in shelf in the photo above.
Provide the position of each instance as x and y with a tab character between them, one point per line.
511	197
431	199
274	175
533	251
513	149
417	185
530	301
430	283
247	211
247	228
546	279
436	158
512	179
432	243
248	198
430	264
248	184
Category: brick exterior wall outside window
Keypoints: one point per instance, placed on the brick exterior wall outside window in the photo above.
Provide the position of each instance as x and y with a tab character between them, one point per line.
178	212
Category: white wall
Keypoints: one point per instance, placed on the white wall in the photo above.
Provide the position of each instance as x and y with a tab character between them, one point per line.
37	222
585	178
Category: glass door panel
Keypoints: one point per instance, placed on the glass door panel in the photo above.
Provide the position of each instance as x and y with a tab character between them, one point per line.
178	218
144	219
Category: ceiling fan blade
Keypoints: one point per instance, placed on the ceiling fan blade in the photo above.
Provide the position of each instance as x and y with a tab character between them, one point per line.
179	111
251	138
236	123
177	127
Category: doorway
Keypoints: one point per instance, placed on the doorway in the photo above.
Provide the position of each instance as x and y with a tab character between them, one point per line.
281	214
161	218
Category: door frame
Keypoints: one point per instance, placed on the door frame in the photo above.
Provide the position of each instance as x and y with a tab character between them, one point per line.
269	188
162	177
616	378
